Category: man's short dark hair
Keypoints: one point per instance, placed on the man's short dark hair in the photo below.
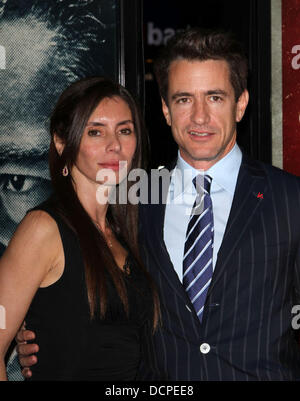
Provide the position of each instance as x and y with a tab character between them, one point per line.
195	44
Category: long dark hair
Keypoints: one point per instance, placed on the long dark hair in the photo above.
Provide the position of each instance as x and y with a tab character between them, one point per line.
68	121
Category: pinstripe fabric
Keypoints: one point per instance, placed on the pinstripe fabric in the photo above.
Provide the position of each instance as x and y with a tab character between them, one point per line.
256	282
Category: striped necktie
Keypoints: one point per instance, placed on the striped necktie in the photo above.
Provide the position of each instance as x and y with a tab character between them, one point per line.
198	249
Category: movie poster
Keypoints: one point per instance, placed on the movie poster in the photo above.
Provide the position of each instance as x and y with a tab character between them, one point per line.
44	46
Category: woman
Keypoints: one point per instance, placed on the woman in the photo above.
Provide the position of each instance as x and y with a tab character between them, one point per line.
72	268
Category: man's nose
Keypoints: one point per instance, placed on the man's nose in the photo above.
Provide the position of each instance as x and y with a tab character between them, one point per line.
200	112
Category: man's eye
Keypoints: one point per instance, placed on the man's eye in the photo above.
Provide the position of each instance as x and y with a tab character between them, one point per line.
182	100
19	183
216	98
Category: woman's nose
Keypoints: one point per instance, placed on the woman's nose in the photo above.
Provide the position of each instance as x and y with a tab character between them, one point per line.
113	143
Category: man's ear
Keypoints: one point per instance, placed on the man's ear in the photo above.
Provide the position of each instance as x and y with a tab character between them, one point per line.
59	144
242	105
166	111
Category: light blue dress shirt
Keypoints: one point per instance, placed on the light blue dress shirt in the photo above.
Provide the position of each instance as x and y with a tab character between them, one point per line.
181	198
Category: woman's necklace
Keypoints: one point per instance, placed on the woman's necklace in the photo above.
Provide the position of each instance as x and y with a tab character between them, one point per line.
109	242
126	267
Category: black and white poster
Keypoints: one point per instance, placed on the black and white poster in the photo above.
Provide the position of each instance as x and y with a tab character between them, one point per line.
44	46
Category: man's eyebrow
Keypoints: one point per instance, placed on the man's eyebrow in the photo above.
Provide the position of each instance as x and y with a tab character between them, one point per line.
215	91
176	95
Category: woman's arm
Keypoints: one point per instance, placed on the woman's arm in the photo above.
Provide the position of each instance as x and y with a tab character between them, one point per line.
30	258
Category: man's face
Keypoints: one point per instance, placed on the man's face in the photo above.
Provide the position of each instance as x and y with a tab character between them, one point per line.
202	110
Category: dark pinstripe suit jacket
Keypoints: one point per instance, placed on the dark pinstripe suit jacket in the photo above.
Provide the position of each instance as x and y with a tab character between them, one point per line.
256	282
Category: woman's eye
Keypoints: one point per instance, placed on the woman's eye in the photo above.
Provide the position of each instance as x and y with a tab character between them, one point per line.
94	132
19	183
126	131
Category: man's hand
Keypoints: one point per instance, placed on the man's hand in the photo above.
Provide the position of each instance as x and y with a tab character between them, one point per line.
26	351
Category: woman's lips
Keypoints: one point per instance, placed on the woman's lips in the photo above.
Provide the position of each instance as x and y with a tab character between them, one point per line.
112	166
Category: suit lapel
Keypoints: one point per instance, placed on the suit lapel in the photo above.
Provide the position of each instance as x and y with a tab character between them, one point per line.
246	202
156	216
249	194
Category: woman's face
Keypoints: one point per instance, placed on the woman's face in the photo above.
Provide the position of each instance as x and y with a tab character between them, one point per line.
108	139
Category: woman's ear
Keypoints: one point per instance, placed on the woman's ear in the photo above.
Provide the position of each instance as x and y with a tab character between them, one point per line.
59	144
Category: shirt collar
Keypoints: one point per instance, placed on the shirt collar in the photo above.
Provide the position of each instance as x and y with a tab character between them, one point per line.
224	173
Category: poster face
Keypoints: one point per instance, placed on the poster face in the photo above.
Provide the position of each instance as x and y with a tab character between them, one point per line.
44	46
291	85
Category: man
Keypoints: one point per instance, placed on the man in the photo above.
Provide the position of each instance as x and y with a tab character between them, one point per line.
237	323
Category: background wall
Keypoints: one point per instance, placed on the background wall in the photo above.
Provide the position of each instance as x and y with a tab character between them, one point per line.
250	21
276	93
270	32
291	85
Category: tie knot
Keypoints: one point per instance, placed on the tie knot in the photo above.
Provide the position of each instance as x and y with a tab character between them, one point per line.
201	182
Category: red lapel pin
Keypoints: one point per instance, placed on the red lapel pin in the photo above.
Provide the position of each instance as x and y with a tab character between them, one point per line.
260	196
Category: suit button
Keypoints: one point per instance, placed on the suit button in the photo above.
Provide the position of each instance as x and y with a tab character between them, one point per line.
204	348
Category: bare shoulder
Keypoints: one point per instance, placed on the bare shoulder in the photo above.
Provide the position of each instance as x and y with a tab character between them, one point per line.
39	223
38	232
29	262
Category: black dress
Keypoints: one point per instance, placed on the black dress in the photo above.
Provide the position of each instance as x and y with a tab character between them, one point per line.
71	345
